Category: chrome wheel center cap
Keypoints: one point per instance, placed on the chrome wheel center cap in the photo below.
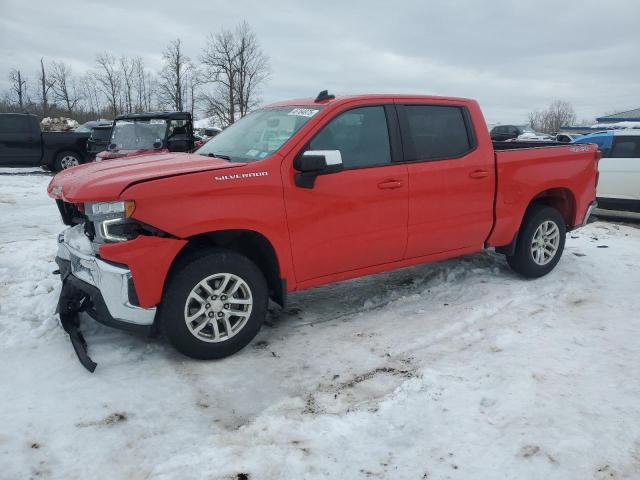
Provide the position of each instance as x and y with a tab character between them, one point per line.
216	305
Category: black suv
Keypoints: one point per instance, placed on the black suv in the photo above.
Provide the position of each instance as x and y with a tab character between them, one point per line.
505	132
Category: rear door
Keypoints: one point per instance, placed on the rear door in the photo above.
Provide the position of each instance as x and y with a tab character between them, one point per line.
620	169
355	218
451	180
20	143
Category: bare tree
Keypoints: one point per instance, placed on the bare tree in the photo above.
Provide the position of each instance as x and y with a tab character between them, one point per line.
46	84
18	87
252	67
65	89
139	78
195	79
109	78
219	58
151	89
90	88
237	67
173	77
127	67
559	113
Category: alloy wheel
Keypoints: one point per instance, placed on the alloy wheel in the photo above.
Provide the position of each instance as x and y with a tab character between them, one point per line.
218	307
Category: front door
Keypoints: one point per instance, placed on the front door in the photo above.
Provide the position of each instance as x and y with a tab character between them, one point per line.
354	218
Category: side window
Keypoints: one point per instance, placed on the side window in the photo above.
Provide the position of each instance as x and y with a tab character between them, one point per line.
626	147
14	124
360	134
435	132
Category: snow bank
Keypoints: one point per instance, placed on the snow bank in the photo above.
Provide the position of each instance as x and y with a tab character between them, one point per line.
458	369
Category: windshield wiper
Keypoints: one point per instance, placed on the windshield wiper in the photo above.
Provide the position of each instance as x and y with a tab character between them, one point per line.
216	155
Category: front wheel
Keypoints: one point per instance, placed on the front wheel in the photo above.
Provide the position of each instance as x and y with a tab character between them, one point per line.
540	242
214	304
66	160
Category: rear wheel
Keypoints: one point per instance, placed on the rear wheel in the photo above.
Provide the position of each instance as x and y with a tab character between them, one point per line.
214	304
540	242
66	160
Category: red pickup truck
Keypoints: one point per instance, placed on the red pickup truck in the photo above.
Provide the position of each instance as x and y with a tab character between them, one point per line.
299	194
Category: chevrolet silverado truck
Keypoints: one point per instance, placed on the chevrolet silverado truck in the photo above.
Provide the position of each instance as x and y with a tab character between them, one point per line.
23	144
300	194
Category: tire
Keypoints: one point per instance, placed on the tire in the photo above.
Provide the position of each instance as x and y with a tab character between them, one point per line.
537	252
66	159
241	311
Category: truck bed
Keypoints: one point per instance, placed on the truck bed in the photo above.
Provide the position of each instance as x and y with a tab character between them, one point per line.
560	173
517	145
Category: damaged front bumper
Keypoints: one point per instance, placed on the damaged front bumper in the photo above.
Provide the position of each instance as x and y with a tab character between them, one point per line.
103	290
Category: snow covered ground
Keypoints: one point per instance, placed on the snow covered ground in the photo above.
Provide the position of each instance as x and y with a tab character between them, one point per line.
456	370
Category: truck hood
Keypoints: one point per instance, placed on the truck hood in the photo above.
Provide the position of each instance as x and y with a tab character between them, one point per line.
106	180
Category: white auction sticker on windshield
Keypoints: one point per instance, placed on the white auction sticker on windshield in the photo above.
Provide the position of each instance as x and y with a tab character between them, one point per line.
156	121
303	112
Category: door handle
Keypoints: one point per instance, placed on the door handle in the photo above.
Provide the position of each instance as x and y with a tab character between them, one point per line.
390	184
479	174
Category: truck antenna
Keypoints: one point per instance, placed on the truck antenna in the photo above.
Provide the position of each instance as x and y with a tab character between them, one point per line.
324	95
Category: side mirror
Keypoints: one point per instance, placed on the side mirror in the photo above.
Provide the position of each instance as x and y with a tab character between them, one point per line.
316	162
112	147
157	144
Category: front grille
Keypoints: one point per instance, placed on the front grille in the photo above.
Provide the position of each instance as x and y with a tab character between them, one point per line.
70	213
89	230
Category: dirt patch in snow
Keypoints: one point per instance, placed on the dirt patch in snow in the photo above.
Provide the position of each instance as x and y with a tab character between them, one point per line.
109	420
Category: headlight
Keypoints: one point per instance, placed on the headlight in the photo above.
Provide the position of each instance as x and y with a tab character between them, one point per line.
117	230
110	220
100	210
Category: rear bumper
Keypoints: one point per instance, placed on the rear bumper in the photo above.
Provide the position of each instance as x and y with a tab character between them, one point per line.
587	214
109	286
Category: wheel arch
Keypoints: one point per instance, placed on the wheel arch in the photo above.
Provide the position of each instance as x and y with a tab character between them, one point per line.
250	243
560	198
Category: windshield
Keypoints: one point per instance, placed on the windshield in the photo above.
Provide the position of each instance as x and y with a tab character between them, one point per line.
259	134
138	134
102	134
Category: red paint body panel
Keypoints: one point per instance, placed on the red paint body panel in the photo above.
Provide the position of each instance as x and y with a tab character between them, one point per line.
99	181
347	225
448	209
524	173
149	259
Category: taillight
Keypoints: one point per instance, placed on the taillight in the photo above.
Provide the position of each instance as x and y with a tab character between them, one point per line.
598	157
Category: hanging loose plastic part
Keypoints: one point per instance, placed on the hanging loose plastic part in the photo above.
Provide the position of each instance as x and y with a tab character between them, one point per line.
72	302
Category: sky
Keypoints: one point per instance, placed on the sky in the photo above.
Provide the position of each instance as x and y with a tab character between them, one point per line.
512	56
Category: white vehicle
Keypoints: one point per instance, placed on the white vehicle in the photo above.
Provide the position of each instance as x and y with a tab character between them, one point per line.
619	184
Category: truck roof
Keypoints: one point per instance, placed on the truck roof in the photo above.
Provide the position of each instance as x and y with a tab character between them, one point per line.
370	96
149	115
